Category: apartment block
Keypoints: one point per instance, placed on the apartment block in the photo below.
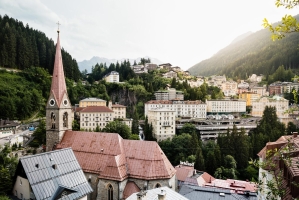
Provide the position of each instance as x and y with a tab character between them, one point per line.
163	122
191	109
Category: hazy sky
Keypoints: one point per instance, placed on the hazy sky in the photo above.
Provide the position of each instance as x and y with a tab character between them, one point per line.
180	32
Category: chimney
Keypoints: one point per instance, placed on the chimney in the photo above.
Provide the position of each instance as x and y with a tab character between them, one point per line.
162	195
295	134
141	195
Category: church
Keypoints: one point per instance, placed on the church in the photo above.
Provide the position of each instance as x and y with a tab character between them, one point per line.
114	167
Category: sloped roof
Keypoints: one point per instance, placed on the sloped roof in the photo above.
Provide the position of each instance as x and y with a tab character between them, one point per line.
51	172
130	188
112	157
96	109
196	192
58	87
183	171
118	106
146	160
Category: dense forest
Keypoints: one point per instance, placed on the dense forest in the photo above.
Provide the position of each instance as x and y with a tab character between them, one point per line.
22	47
254	54
230	156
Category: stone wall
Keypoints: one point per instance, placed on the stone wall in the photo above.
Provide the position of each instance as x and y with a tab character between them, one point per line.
93	182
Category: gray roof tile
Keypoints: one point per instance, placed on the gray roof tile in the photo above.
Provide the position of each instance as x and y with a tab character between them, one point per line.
46	181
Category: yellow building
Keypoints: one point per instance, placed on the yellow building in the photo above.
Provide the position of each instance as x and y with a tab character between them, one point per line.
92	102
249	97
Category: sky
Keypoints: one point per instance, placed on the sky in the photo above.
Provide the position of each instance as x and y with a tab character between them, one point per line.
180	32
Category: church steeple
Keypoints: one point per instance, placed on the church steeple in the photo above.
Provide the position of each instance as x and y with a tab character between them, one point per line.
59	108
58	87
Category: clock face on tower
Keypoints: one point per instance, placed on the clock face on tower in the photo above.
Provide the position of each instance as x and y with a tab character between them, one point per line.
65	102
52	102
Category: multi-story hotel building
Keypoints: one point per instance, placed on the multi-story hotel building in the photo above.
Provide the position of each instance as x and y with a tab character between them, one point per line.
112	77
192	109
163	122
91	101
280	103
229	88
169	94
93	116
226	106
249	97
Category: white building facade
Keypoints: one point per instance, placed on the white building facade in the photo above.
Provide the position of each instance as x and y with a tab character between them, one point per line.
163	122
192	109
225	106
112	77
280	103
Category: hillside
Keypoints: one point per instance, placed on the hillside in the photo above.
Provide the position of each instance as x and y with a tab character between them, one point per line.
256	53
88	64
22	47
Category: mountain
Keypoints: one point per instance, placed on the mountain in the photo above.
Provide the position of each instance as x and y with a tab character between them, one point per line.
87	64
253	53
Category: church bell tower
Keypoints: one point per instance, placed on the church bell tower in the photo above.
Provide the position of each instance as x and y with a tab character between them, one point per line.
58	108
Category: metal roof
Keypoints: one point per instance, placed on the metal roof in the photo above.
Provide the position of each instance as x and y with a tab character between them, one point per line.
195	192
51	172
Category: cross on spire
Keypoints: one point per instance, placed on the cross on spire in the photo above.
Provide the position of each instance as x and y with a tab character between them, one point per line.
58	26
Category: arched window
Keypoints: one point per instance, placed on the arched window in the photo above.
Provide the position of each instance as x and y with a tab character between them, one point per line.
65	119
157	185
110	192
53	118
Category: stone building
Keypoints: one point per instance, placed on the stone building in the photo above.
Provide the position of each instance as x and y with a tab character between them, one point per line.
115	167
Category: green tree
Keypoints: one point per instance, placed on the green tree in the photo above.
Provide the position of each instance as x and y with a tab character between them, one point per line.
289	23
229	170
291	127
39	134
118	127
76	125
188	128
5	181
199	160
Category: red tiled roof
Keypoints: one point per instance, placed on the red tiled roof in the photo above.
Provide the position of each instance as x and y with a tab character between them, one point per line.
207	177
118	106
112	157
96	109
130	188
236	186
146	160
78	109
58	87
183	171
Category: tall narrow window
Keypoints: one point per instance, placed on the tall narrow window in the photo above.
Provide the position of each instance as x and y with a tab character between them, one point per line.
65	119
110	192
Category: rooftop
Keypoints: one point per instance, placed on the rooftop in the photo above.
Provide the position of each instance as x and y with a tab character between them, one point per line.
96	109
50	173
112	157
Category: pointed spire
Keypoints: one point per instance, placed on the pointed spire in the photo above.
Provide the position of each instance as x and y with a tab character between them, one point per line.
58	87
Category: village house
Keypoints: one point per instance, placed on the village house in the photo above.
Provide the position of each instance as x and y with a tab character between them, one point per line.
51	175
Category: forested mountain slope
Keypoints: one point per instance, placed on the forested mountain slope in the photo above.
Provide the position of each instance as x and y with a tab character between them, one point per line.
22	47
256	53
